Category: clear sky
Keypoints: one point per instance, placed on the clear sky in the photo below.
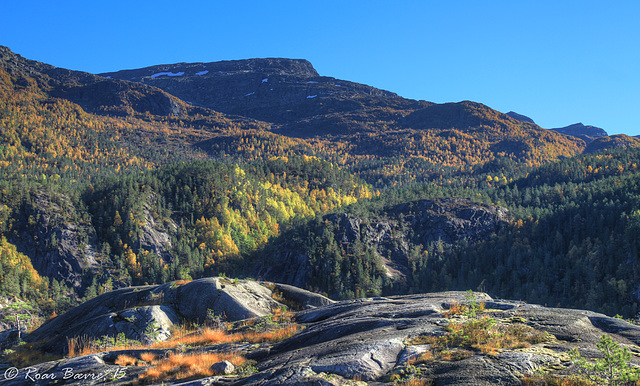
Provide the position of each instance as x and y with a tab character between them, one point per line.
558	62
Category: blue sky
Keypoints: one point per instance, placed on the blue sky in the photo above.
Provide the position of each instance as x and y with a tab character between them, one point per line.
558	62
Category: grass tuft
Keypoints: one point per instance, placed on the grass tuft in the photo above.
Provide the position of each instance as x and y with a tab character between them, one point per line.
27	354
183	366
484	335
125	360
148	357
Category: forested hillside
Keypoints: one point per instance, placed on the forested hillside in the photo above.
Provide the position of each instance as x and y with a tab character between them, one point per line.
353	191
212	214
570	239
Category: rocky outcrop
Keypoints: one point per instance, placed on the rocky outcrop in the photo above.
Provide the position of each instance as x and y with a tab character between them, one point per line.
386	341
60	244
231	299
156	236
371	340
394	233
304	298
450	220
148	313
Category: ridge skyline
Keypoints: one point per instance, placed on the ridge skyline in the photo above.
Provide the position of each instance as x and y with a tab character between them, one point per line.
192	64
311	72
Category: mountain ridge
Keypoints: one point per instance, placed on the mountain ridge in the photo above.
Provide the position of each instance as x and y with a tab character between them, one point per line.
334	110
345	115
519	117
282	66
272	90
587	133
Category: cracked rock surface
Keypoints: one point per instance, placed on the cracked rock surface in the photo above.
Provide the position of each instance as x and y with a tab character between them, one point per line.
383	340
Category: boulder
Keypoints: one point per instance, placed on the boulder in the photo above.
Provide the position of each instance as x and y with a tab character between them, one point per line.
148	323
223	368
232	299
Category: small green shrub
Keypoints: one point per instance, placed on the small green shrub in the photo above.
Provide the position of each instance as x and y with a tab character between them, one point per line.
612	369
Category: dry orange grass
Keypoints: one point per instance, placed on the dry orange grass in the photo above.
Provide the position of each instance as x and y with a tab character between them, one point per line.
82	345
204	337
209	336
183	366
125	360
277	335
148	357
454	309
485	335
425	357
455	355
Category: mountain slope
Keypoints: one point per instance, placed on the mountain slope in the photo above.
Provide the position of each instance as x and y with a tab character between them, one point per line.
520	117
354	122
587	133
373	254
612	142
487	134
92	92
274	90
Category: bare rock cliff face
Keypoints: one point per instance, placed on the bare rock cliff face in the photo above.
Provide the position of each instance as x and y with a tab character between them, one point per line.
156	236
395	231
60	244
448	220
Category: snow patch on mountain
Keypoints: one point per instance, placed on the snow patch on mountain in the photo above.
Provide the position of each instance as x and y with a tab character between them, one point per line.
167	74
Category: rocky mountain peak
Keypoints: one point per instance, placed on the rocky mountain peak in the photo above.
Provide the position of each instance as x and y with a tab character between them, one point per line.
46	75
520	117
17	66
586	132
274	90
265	66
